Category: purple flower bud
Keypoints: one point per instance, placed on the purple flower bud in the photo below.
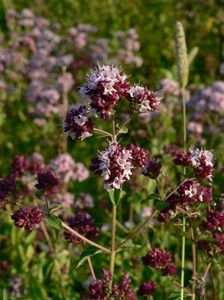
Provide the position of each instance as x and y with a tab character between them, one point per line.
139	155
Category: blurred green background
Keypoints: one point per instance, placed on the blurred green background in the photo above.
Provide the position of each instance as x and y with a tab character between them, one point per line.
155	23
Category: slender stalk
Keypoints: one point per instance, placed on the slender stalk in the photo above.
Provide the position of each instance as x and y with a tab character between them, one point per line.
113	246
81	237
136	230
207	270
184	219
91	268
194	258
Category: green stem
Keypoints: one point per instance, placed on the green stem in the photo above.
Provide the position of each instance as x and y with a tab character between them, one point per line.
184	220
113	246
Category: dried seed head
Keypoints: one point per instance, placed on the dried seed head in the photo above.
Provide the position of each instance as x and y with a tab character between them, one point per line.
181	56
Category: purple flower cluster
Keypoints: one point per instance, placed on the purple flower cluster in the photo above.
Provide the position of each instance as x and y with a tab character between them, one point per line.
84	201
77	124
209	99
128	45
31	165
161	260
114	165
214	223
202	162
143	99
84	224
27	217
123	290
46	181
189	192
139	155
104	87
99	289
147	288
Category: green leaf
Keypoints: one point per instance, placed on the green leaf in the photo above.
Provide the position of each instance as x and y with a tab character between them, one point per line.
123	130
115	196
111	195
55	207
192	54
53	221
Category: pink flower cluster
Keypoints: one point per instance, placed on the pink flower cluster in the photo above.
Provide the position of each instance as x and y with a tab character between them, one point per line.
116	163
77	124
202	162
103	89
189	192
66	169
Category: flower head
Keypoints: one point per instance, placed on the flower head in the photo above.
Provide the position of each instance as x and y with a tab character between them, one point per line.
191	192
114	165
215	221
144	99
147	288
104	86
99	289
27	217
77	124
122	289
139	155
159	259
202	162
46	181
